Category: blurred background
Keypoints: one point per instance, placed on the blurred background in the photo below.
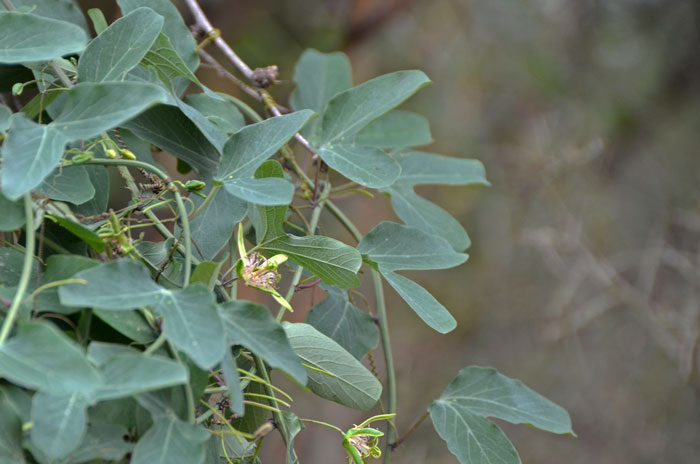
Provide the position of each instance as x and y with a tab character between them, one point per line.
583	279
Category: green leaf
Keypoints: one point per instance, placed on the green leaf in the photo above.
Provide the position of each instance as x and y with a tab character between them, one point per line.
206	273
90	109
268	220
192	323
249	148
319	77
229	369
353	109
216	136
131	373
65	10
12	262
333	261
60	267
349	384
82	232
164	59
121	284
31	150
174	27
171	441
252	326
347	325
261	191
253	416
5	114
120	47
365	165
128	323
460	415
102	441
40	102
10	433
168	128
99	353
99	23
43	358
222	113
390	247
396	129
213	226
17	400
70	184
58	422
27	37
12	217
99	178
294	426
418	212
419	168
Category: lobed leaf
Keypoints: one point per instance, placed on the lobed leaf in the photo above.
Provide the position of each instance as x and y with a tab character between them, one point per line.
391	247
353	109
459	415
396	129
319	77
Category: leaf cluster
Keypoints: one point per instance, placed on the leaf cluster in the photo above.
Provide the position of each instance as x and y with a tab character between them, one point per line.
120	349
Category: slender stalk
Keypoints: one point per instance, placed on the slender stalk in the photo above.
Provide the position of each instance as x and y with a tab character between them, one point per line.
153	347
383	331
205	203
8	4
410	431
281	423
65	80
26	269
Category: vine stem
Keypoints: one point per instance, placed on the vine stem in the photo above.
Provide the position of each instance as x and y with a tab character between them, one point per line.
26	269
383	331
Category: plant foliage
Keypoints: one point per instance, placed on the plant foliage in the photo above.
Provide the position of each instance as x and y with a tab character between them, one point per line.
120	349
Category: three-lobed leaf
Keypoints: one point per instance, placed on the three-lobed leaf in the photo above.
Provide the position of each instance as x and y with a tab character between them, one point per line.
391	247
459	415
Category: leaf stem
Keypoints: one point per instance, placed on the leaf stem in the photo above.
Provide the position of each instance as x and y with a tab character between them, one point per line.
26	269
153	347
383	330
325	424
410	431
189	396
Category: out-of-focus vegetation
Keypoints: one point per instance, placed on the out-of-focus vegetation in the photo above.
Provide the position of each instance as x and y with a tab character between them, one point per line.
583	279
